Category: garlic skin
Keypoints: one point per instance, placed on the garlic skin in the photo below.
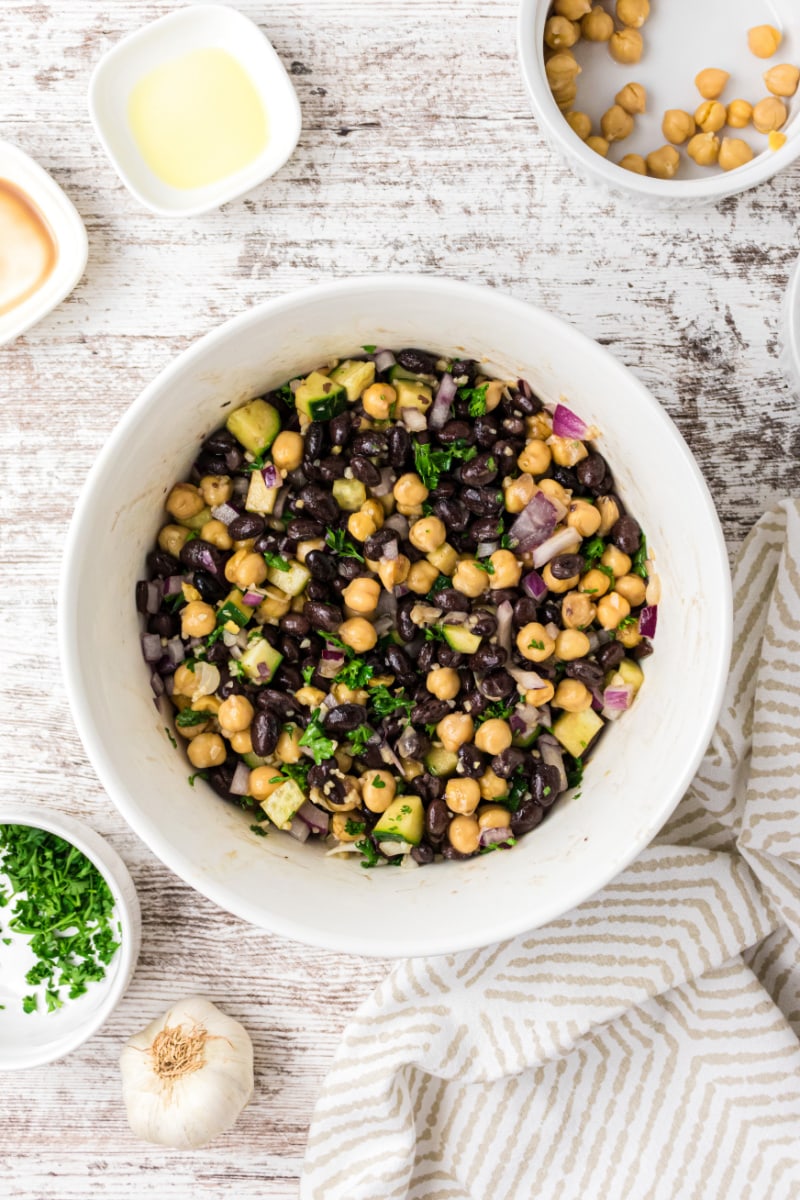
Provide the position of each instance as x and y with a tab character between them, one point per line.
187	1076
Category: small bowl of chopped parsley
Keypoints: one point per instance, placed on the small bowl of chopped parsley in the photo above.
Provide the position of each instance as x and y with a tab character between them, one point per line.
69	934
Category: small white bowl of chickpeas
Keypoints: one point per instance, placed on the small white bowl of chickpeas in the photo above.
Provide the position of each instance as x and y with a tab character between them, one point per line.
666	102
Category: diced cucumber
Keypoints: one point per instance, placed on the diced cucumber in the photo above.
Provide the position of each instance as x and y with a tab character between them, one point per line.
234	610
461	639
260	652
260	498
441	762
524	741
319	398
632	673
349	494
254	760
354	376
576	730
293	581
398	374
256	425
444	558
283	803
403	821
197	521
412	395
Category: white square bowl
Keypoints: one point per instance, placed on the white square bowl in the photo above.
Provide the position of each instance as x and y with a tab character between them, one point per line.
69	234
200	27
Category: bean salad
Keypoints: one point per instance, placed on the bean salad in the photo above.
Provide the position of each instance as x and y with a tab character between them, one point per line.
394	606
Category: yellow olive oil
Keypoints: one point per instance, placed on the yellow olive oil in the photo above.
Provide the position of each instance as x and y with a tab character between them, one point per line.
28	250
198	119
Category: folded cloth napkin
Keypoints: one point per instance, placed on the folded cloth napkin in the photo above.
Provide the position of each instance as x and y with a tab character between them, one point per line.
647	1043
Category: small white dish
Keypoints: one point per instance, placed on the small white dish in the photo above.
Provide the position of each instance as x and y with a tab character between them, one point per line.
31	1039
69	234
200	27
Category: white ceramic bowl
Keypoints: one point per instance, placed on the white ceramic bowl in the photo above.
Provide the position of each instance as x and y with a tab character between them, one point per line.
790	345
642	765
198	27
681	38
30	1039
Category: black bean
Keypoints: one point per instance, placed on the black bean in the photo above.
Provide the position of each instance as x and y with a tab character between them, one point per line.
334	789
221	778
470	761
450	852
591	471
218	653
483	501
371	444
160	564
398	444
507	451
588	672
480	470
567	478
626	533
323	616
423	854
551	613
321	505
202	556
429	712
487	657
289	677
277	702
426	657
437	818
452	512
418	361
483	623
525	400
508	761
474	703
529	815
220	441
444	489
248	525
209	588
643	650
269	543
513	427
296	624
374	545
405	626
499	595
344	718
332	468
321	565
164	624
457	431
451	600
486	529
364	470
400	665
610	655
525	610
498	685
487	431
464	367
264	732
448	657
545	782
342	427
564	566
314	441
289	649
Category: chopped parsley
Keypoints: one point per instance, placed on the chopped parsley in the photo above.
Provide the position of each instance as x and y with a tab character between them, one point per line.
353	828
439	584
308	673
173	603
236	669
507	542
379	783
476	398
297	771
369	349
369	850
434	633
627	622
484	565
275	560
575	773
506	845
355	674
171	737
517	791
197	775
593	551
639	559
338	540
358	739
259	830
430	463
497	710
333	640
314	736
258	463
384	703
189	717
285	393
536	645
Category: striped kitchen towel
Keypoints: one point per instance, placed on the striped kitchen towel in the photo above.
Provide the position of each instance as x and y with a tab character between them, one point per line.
645	1045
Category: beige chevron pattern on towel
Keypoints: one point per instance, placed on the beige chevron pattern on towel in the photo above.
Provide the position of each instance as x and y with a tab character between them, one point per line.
643	1047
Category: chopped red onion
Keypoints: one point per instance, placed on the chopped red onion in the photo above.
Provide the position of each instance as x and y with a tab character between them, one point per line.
526	679
299	830
383	624
157	684
240	783
485	549
534	585
398	523
206	559
176	650
401	589
317	820
252	599
280	502
553	756
386	484
225	513
524	719
493	837
505	616
263	670
545	716
390	550
151	647
271	476
329	701
383	359
568	424
173	585
413	419
387	603
616	699
559	543
153	597
331	661
408	744
535	523
647	620
442	402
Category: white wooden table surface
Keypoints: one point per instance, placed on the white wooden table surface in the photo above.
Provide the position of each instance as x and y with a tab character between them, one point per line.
418	153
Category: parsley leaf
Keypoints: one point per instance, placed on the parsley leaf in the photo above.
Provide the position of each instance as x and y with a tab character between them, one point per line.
353	828
297	771
626	622
338	540
507	542
187	717
516	792
434	633
358	739
259	830
639	558
592	551
575	773
369	349
197	775
430	463
308	673
171	737
439	584
355	674
497	710
384	703
484	565
314	736
333	640
275	560
369	850
476	398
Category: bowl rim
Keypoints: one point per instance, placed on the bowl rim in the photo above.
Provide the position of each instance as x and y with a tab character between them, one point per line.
679	191
282	923
108	862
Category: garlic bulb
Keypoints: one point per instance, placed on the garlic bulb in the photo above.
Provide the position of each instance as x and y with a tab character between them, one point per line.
187	1076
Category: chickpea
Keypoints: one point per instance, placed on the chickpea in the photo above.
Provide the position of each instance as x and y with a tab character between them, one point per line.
769	114
172	538
711	116
379	401
704	149
571	644
393	571
594	583
626	46
343	694
427	534
274	605
305	548
535	458
782	80
635	163
462	795
560	33
362	594
711	82
619	562
764	40
678	126
244	544
288	749
492	786
663	163
358	633
287	450
242	742
597	25
633	12
443	683
421	577
554	491
583	517
494	394
565	96
776	139
578	610
374	509
558	585
184	502
534	642
197	619
573	10
740	114
493	736
463	834
632	588
216	489
733	153
377	790
361	525
633	98
572	696
629	636
189	732
412	769
410	490
236	713
469	579
562	69
216	533
264	781
599	145
339	824
246	569
454	730
567	451
609	514
207	750
183	681
507	570
616	124
580	123
540	695
518	493
540	425
493	817
612	609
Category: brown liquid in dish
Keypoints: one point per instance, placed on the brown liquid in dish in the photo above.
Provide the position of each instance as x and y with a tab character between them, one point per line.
28	250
